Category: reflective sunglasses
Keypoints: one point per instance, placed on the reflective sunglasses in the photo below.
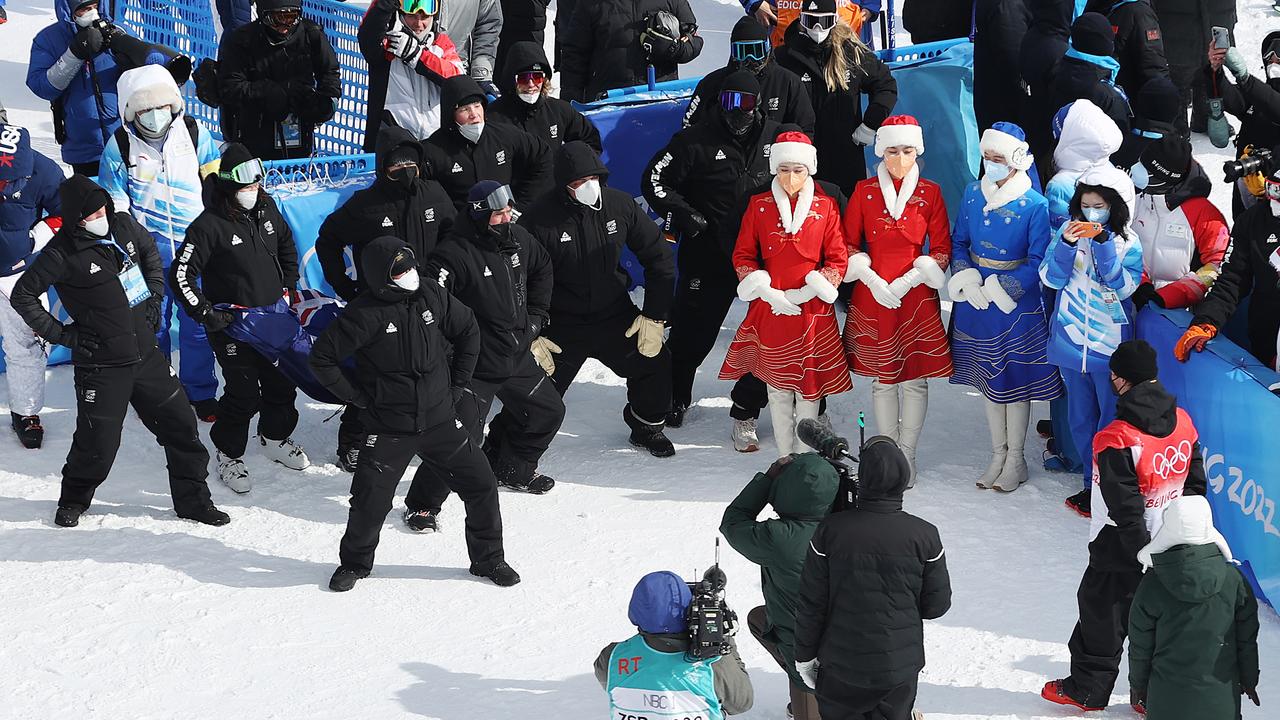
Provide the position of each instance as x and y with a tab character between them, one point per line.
531	77
499	199
246	173
748	50
284	17
817	22
425	7
734	100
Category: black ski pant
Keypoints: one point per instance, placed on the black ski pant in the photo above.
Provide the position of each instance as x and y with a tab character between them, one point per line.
103	396
532	411
251	385
707	287
1097	642
449	451
840	700
350	429
1192	92
648	379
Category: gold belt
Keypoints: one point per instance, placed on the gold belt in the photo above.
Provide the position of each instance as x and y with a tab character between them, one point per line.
996	264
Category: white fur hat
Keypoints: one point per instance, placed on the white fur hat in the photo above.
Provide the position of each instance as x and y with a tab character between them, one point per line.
793	147
899	130
147	87
1187	521
1010	141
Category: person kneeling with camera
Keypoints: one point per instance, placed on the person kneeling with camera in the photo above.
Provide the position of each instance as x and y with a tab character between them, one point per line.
801	489
653	674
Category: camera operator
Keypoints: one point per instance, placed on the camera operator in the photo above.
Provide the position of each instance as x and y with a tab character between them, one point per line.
1256	103
611	44
872	575
801	489
652	666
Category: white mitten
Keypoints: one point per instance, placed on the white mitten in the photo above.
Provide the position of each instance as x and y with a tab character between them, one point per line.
859	265
966	286
821	285
997	294
801	295
750	286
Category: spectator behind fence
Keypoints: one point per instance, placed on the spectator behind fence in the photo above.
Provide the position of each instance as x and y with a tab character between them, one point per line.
527	103
768	14
1255	103
1186	27
610	43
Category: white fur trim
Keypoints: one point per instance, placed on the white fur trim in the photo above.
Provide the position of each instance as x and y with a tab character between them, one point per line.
934	277
998	295
791	222
859	265
966	278
750	286
894	135
1015	151
826	291
793	152
147	86
895	201
998	196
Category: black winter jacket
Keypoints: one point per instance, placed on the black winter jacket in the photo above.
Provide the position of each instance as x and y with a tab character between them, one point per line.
585	246
419	217
1139	45
1043	46
522	21
1246	268
782	96
410	349
934	20
999	94
1254	102
601	49
551	120
506	281
263	80
234	256
872	575
1185	27
838	114
84	270
1077	79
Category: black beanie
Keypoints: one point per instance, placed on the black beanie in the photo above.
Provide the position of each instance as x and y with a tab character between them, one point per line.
1091	33
743	81
403	262
818	6
232	155
1157	101
1135	361
1167	160
748	29
406	153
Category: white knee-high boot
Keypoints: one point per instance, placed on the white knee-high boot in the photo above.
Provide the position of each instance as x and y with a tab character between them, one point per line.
782	408
999	443
884	404
805	409
915	403
1015	466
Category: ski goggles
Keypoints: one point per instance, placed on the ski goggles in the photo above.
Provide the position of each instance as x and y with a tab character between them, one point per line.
283	18
813	21
531	77
500	199
424	7
749	50
735	100
246	173
1272	187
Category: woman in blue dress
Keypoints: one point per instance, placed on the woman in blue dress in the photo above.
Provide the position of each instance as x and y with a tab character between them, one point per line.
999	330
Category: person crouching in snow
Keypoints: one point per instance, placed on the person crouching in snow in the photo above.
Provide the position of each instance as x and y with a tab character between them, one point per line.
899	239
789	256
1193	626
999	331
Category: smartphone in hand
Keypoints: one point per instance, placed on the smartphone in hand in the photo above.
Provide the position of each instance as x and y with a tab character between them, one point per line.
1083	229
1221	38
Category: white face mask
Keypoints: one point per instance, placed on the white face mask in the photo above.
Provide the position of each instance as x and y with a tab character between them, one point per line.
1275	208
154	123
247	199
472	132
995	171
588	193
818	35
87	19
1273	71
98	227
530	98
408	281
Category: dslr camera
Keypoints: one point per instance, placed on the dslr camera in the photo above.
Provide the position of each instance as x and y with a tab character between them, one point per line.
1252	162
711	622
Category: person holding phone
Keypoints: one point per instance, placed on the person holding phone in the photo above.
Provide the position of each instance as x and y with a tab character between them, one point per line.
1191	28
1094	262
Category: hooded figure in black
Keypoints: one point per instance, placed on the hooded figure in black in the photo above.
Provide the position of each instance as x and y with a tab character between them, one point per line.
610	44
415	348
693	183
239	253
1155	114
466	149
583	225
278	81
1139	45
107	272
782	97
526	102
998	93
1088	70
1255	103
872	575
1043	46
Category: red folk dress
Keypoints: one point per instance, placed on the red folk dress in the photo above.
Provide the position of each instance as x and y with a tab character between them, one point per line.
910	342
801	352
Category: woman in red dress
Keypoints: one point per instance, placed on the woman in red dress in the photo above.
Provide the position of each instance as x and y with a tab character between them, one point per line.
899	247
790	256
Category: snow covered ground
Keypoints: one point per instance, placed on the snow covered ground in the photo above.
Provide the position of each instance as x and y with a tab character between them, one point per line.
136	614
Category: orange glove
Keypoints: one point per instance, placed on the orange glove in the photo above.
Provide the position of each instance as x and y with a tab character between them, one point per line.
1195	338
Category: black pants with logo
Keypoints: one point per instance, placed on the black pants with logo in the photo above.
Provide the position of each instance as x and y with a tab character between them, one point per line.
251	386
103	397
1097	642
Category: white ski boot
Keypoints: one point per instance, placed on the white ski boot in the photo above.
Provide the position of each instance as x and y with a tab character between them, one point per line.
286	452
1015	466
233	473
745	439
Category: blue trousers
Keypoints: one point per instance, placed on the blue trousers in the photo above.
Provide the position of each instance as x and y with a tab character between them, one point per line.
1091	406
195	363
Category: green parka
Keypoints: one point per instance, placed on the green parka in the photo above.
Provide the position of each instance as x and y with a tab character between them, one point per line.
1193	636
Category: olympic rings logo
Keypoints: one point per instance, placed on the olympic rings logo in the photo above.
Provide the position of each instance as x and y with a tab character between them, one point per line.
1173	461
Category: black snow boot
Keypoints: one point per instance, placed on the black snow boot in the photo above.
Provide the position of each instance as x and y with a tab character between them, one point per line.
207	515
67	516
500	573
349	458
1079	503
675	418
30	432
520	475
647	435
423	521
344	578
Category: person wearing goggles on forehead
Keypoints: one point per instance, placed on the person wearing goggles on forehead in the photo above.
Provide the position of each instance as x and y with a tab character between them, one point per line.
1254	101
414	346
409	56
768	14
692	183
239	255
278	82
526	101
836	70
1251	267
612	44
500	271
782	98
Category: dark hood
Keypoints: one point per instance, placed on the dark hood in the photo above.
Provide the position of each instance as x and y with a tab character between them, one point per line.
77	193
805	489
1150	408
521	56
1191	573
883	471
390	138
1052	18
578	160
453	90
1195	184
375	267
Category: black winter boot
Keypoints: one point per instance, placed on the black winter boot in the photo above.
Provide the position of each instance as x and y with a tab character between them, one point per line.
207	515
349	458
500	573
67	516
30	433
521	475
675	417
344	578
423	521
647	435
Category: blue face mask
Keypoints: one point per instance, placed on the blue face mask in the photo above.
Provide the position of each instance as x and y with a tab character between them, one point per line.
1097	215
995	171
1141	178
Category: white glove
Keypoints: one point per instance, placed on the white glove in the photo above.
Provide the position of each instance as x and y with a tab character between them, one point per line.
821	286
542	350
883	295
404	46
924	270
43	231
808	673
800	295
778	301
966	286
864	135
996	293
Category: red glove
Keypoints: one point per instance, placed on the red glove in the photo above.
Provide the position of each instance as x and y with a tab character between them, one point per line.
1195	338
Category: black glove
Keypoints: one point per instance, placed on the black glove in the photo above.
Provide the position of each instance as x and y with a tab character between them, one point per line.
1146	293
154	306
217	320
691	224
658	46
81	341
274	97
1102	237
87	43
489	88
361	400
779	466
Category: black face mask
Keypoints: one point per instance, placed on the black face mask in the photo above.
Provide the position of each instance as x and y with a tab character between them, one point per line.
755	67
404	177
501	231
738	122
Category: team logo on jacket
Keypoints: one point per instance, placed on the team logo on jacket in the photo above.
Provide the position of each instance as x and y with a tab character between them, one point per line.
564	237
429	215
555	131
1272	240
768	149
773	104
386	222
90	395
231	349
456	168
427	317
611	227
720	155
93	268
501	157
440	280
805	78
515	261
129	248
391	327
271	229
235	240
487	271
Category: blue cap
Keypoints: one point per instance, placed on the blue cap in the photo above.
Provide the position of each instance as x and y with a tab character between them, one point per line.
660	603
1009	128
